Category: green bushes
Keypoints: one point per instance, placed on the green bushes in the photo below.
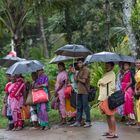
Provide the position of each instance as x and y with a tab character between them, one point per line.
2	85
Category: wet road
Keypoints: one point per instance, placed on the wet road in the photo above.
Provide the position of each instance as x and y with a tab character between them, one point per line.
69	133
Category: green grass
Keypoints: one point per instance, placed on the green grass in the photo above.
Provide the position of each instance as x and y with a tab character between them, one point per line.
54	117
3	122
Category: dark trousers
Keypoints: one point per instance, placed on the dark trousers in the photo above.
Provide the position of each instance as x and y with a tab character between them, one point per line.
82	105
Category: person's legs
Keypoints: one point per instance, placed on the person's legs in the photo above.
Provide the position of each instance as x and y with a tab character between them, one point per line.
138	111
79	111
10	123
20	121
43	115
79	108
62	109
113	123
86	107
109	124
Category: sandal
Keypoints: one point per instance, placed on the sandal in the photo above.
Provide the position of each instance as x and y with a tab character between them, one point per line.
112	136
14	129
19	128
106	134
46	128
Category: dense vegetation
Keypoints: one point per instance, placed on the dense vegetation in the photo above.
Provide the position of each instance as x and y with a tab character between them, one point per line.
39	27
45	25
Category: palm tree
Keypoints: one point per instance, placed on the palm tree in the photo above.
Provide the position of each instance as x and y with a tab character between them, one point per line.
42	9
14	15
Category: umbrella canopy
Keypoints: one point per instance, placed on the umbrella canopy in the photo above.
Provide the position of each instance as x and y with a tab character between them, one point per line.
103	57
108	57
73	50
125	58
25	67
8	60
61	58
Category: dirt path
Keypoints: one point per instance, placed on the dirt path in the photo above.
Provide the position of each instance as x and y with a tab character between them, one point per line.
69	133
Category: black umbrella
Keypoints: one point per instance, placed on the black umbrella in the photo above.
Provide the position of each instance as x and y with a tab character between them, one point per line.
8	60
125	58
25	67
103	57
61	58
73	50
108	57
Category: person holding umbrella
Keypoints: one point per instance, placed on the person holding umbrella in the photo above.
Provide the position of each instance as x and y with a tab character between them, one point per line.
106	88
83	85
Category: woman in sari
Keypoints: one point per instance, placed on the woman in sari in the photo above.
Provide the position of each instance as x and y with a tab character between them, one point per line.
120	109
137	91
42	108
61	82
33	109
126	83
70	110
6	102
16	91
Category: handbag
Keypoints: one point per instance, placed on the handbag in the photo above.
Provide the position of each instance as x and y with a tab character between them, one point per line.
116	99
25	112
91	94
29	100
67	91
39	96
73	99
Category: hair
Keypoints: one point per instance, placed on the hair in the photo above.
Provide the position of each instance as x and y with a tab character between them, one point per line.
111	63
81	59
127	63
61	64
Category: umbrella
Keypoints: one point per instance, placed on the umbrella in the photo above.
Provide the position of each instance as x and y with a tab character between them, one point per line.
103	57
125	58
8	60
61	58
108	57
25	67
73	50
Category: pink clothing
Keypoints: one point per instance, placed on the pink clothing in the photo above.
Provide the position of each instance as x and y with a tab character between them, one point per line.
62	77
16	91
7	86
128	105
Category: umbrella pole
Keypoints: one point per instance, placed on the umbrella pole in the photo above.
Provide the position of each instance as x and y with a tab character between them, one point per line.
73	63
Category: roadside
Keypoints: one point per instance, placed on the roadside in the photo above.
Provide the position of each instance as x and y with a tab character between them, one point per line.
69	133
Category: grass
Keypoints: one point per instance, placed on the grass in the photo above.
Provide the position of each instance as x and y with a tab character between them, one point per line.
54	117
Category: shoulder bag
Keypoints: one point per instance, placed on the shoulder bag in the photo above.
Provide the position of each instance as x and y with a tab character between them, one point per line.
116	99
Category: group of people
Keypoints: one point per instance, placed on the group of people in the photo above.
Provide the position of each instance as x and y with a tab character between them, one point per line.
16	92
128	82
76	80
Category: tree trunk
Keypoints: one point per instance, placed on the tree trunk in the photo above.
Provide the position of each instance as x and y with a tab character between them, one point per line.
127	9
68	24
17	44
45	49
